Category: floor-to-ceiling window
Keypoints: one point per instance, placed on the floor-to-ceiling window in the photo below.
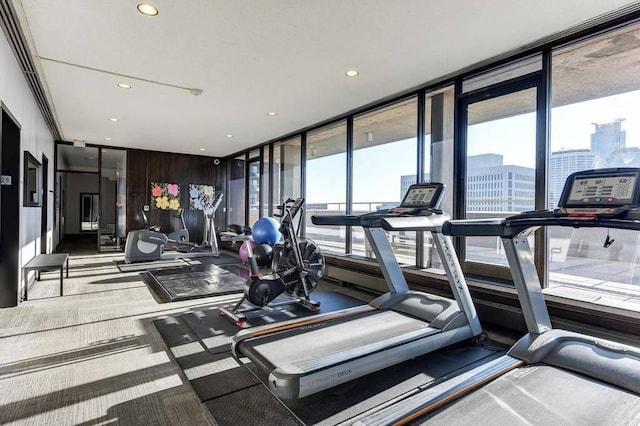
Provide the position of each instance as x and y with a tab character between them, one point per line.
264	183
595	123
384	166
326	184
509	131
286	170
253	186
438	157
236	193
500	140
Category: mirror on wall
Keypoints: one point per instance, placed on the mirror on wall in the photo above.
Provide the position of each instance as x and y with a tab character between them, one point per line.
88	212
31	181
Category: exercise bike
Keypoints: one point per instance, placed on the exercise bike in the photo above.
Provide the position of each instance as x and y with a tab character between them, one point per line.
296	269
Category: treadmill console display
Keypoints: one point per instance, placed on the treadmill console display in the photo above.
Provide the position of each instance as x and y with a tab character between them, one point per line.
607	189
420	196
610	190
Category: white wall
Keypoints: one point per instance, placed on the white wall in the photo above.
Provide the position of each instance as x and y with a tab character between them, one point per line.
34	137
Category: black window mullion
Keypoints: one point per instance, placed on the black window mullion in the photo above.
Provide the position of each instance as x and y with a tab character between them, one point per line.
303	180
271	179
420	169
543	143
349	200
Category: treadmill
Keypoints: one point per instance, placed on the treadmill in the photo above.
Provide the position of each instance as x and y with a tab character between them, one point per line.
550	376
305	356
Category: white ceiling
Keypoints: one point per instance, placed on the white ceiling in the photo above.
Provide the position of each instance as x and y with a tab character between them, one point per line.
252	57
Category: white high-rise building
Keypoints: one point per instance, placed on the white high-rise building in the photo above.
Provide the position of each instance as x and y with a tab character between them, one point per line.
562	164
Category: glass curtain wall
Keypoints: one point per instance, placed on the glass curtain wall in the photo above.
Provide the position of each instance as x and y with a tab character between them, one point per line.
595	123
384	166
236	194
326	184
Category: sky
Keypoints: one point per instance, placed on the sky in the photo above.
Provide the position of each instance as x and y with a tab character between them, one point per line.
377	169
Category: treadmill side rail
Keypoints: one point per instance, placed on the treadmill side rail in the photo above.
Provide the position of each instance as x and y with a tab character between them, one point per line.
433	397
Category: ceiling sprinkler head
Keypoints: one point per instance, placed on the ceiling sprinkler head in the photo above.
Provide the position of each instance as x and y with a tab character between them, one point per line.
196	92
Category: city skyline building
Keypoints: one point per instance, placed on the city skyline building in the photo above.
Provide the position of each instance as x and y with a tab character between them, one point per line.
608	138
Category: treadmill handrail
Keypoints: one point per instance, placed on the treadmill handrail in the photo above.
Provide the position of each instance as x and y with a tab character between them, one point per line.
340	220
514	225
372	219
413	223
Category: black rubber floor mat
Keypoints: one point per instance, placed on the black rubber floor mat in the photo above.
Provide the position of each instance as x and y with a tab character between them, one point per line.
196	281
213	330
174	332
213	376
329	301
249	407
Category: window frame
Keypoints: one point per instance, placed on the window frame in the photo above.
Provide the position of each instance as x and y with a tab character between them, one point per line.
536	80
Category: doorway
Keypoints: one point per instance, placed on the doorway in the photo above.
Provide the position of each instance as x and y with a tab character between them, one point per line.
9	210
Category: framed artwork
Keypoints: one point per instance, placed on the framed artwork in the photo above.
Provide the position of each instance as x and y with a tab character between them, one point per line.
201	197
165	196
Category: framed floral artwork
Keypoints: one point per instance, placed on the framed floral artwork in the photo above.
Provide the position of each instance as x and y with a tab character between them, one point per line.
165	196
201	197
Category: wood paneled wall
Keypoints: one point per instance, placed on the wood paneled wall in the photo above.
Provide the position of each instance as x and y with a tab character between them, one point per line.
144	167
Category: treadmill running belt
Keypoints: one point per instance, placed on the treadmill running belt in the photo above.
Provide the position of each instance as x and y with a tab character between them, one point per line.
541	395
303	349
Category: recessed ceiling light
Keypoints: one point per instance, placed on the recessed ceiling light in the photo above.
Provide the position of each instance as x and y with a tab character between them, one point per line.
107	138
272	114
115	120
229	135
201	149
351	73
147	9
124	86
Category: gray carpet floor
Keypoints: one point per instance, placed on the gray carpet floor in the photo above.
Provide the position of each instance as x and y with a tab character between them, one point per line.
93	356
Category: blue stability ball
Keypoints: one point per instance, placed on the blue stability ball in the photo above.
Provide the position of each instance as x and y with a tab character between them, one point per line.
266	230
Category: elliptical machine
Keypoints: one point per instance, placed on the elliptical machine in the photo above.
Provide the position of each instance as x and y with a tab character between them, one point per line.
296	269
210	240
148	244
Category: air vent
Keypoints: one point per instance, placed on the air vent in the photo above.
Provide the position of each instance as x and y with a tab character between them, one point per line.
13	33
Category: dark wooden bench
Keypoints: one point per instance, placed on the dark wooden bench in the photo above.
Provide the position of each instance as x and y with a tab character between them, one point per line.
45	262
